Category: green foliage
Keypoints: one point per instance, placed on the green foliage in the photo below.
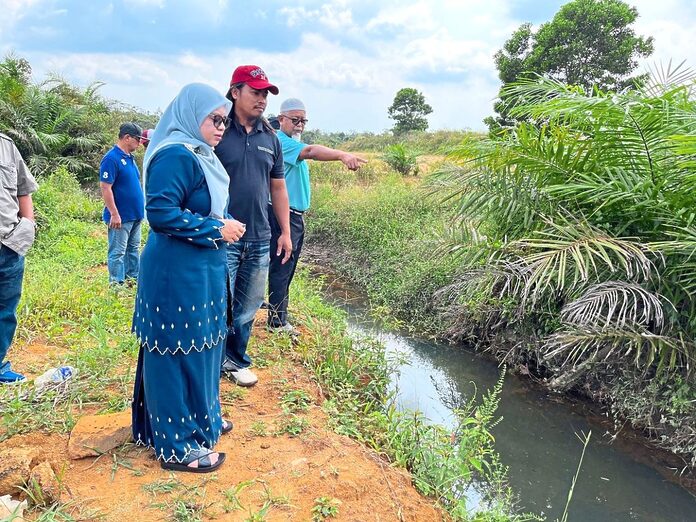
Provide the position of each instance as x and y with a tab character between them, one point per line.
589	43
401	159
409	110
582	209
292	424
325	507
295	400
582	217
433	142
66	301
387	235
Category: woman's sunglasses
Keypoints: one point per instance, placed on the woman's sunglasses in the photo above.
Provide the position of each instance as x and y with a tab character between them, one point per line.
220	120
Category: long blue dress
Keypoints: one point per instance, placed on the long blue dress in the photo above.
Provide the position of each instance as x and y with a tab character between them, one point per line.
180	315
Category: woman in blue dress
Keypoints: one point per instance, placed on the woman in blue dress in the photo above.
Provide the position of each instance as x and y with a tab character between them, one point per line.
180	315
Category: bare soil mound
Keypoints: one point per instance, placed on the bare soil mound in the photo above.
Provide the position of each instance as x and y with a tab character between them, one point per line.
279	466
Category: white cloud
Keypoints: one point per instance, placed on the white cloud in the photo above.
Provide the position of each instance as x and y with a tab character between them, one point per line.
13	10
411	19
335	15
671	23
442	47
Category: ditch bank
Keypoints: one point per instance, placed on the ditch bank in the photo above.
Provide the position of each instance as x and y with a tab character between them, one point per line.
590	407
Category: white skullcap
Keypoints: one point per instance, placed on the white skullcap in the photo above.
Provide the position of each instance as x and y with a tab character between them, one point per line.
292	104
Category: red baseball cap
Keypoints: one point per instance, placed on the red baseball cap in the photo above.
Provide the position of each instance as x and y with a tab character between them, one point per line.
254	77
146	136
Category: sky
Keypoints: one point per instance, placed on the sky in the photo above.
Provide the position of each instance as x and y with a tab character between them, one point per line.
346	59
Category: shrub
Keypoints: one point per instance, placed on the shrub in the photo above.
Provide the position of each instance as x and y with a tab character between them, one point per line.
401	159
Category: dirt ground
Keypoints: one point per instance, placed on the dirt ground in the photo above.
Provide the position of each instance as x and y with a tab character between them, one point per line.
265	477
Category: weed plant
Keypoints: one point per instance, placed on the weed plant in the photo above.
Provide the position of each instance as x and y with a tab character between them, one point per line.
66	303
325	507
387	239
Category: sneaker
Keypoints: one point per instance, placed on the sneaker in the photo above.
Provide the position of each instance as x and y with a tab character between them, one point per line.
7	376
243	377
286	328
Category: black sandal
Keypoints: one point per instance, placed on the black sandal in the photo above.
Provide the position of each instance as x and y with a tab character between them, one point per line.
203	458
226	426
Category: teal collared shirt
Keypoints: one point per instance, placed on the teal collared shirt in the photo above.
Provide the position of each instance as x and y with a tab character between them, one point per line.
296	172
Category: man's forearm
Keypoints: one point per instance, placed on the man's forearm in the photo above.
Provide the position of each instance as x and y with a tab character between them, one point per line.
281	207
321	153
26	207
108	197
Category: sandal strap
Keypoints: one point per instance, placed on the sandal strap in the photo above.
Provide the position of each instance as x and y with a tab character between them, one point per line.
200	455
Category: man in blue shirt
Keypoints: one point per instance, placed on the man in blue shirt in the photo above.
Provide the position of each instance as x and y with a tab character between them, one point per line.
252	156
124	205
292	119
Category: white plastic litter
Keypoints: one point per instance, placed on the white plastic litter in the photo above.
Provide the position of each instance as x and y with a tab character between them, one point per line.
55	375
11	509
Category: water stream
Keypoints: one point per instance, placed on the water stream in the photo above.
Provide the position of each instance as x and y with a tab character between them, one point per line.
537	437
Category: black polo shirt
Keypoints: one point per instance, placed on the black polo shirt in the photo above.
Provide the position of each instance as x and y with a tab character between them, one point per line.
251	160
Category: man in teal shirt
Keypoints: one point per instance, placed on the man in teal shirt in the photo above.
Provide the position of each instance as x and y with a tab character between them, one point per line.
293	118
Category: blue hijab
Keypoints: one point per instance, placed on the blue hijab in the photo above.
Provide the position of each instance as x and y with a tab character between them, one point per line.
180	124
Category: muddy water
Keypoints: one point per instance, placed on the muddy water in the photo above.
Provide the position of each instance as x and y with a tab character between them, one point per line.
537	437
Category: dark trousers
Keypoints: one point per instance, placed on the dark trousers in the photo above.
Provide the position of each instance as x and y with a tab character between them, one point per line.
279	275
11	273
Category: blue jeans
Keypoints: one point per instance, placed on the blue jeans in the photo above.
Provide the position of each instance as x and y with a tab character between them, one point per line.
248	270
123	257
11	273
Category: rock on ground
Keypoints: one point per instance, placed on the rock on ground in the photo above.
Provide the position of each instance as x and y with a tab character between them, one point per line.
44	479
15	468
97	434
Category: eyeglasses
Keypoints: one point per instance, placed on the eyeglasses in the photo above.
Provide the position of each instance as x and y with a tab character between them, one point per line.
296	121
219	120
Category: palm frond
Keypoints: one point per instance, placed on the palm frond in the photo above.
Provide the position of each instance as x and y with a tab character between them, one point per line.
662	79
618	304
568	255
585	346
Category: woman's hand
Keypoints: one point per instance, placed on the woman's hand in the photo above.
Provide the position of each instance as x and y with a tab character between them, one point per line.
232	230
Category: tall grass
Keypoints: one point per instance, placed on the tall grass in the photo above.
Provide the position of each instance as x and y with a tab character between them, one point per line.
386	236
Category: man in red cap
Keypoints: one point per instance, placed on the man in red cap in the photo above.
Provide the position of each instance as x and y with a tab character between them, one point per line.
146	137
252	156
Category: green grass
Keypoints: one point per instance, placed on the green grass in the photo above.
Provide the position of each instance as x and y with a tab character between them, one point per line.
386	239
66	303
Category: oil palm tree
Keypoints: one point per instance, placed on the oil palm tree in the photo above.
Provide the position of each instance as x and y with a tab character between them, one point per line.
585	216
